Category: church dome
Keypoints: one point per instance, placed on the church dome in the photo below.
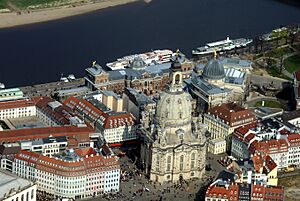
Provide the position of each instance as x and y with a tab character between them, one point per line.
214	70
174	109
137	63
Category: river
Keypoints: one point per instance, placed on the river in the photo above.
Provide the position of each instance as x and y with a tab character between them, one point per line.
39	53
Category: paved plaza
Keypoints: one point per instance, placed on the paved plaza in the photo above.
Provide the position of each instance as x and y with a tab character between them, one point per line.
134	186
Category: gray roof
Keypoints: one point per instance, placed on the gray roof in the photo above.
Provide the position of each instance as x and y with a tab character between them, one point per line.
236	62
140	98
210	89
98	104
110	93
132	74
95	70
9	182
214	70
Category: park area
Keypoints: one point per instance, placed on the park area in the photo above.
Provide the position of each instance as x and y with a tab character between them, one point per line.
292	63
268	103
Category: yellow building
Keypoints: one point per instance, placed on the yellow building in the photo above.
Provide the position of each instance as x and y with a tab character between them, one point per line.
112	101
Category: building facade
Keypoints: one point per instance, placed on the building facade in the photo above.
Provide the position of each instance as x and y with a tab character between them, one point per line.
213	84
221	121
17	108
148	79
13	188
79	173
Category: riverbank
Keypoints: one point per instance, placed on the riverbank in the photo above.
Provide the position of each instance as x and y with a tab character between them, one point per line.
13	19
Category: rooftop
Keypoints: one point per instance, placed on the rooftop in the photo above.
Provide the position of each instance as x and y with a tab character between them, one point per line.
10	182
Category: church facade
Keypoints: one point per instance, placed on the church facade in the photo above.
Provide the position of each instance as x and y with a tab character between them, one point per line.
174	146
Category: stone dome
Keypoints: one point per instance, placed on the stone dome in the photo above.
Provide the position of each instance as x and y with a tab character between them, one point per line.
137	63
174	111
214	70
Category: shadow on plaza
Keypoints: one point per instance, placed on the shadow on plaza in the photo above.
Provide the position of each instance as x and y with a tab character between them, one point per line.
287	96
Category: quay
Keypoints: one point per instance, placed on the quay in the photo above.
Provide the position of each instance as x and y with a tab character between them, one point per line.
48	89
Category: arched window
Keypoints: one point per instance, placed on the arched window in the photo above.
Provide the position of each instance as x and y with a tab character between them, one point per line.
177	79
157	162
169	159
193	160
181	163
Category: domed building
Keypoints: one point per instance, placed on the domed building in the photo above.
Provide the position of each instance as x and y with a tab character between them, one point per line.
174	148
214	85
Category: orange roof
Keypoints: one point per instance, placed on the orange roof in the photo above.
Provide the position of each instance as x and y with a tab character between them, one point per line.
232	114
16	104
294	139
86	163
34	133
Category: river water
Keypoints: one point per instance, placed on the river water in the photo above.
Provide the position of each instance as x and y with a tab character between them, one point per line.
39	53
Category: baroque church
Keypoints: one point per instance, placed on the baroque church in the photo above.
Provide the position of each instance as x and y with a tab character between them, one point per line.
174	146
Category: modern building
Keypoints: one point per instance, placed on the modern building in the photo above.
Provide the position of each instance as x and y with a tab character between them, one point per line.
45	146
148	79
14	188
173	148
221	121
112	100
214	84
77	174
17	108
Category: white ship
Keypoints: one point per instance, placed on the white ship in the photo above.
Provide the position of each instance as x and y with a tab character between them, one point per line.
150	58
222	46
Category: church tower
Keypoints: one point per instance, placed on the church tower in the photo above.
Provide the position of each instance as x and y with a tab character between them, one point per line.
175	147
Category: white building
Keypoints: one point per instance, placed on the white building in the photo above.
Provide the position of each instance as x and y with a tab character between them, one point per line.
17	108
13	188
46	146
217	146
77	174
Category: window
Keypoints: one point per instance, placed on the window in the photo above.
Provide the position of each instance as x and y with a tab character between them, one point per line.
157	163
181	163
193	160
169	163
32	194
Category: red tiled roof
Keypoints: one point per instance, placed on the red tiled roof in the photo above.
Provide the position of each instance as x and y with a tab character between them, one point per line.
84	106
34	133
117	120
86	163
60	114
16	104
294	139
233	114
109	119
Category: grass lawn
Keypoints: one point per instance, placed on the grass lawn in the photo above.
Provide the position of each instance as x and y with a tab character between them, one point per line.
2	4
273	104
292	63
25	3
274	72
279	51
